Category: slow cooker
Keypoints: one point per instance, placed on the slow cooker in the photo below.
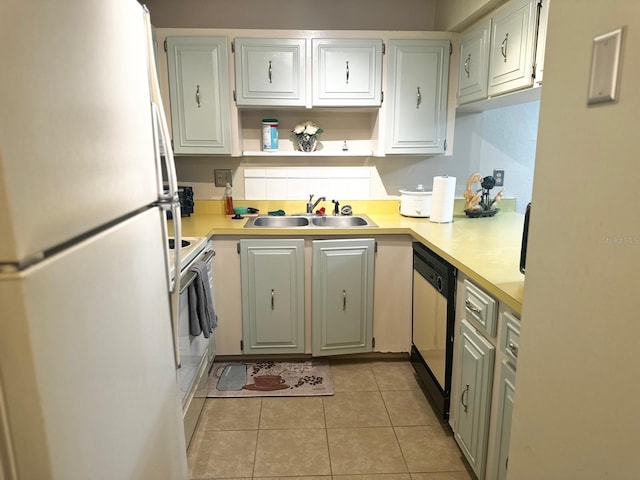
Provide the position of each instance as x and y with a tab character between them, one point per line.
415	202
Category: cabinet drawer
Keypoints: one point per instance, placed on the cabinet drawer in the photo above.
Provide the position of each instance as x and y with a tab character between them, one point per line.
480	307
510	337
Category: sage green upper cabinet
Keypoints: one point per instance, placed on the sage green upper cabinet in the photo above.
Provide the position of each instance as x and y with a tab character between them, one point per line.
342	296
199	94
272	273
418	77
513	47
270	71
347	72
474	61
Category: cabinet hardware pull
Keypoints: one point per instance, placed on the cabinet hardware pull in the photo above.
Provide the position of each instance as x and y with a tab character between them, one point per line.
514	349
466	65
198	95
344	300
419	98
272	300
470	306
347	72
503	47
466	406
269	72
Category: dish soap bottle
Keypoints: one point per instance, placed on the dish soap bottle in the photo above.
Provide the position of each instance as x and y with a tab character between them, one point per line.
228	200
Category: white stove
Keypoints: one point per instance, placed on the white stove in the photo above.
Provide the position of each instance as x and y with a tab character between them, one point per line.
191	248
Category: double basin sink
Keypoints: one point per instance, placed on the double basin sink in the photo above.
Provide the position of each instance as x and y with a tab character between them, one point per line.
313	221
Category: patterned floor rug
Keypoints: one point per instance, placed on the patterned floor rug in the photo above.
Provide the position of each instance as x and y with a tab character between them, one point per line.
268	378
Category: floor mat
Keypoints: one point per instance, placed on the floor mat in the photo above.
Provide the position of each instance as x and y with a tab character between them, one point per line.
268	378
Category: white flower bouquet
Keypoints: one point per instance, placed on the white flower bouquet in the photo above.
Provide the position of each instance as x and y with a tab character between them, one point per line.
306	135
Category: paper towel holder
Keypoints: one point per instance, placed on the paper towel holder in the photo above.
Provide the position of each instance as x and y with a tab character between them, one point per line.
480	203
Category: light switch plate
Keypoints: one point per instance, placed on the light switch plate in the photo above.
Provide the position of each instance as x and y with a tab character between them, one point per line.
222	177
605	67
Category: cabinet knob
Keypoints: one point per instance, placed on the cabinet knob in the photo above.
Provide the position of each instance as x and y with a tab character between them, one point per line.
418	98
513	348
269	72
273	299
198	95
347	73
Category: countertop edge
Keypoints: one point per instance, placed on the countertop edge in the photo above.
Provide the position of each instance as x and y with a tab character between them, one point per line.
417	229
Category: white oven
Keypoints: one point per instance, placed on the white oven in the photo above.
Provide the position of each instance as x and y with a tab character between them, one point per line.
196	353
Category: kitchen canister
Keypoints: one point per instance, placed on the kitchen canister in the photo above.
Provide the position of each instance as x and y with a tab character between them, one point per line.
415	202
269	134
444	189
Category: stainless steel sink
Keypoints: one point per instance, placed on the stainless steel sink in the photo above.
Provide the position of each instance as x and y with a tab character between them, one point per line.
340	222
310	221
279	222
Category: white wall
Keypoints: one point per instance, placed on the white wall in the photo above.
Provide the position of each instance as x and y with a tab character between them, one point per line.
576	413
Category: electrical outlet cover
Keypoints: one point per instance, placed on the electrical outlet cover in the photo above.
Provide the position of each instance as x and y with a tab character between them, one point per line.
222	177
499	176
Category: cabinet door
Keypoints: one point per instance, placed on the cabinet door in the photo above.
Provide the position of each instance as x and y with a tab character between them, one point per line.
505	409
418	78
541	43
513	37
475	374
199	91
342	296
474	60
270	71
347	72
272	296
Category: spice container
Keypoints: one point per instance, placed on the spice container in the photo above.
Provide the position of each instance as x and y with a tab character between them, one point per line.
269	134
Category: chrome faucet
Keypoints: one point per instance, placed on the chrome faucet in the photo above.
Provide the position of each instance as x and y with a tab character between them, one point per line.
311	206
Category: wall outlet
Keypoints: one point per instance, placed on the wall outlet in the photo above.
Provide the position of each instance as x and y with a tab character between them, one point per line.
222	177
499	176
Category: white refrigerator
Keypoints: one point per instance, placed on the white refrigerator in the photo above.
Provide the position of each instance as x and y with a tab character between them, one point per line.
87	359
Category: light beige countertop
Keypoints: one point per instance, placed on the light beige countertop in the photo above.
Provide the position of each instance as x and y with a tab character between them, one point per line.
487	250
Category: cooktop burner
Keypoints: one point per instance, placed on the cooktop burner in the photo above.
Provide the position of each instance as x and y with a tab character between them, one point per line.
172	243
190	248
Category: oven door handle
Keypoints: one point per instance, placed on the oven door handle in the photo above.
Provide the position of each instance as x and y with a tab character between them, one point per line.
189	277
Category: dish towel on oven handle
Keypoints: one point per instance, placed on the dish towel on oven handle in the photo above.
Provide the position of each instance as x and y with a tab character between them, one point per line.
202	316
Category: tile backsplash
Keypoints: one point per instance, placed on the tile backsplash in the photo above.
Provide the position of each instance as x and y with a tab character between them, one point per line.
297	183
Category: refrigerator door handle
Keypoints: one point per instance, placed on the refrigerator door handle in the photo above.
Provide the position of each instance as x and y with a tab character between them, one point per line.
158	112
169	200
174	283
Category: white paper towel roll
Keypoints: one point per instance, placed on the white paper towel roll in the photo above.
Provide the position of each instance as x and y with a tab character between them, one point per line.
444	189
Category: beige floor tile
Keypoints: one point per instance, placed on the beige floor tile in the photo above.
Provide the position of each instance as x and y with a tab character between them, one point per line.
318	477
230	414
380	476
443	476
429	449
408	407
286	453
222	454
353	377
292	412
364	451
395	375
356	409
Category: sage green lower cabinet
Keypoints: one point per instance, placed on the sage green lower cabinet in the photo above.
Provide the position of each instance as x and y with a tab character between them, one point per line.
505	409
342	296
272	277
474	382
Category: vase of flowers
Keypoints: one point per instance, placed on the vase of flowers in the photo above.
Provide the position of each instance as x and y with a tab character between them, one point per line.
306	136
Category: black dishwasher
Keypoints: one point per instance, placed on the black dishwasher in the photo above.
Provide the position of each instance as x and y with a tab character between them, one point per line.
433	317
